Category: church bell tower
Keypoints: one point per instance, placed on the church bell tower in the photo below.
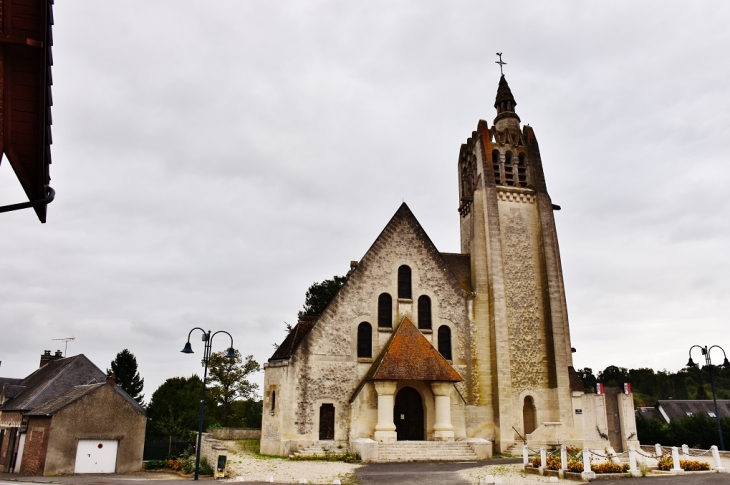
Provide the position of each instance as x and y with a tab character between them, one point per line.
521	349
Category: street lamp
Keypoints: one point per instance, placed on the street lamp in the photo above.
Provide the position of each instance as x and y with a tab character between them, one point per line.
231	354
708	363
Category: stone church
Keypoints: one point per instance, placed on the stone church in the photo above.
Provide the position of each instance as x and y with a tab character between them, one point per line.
420	345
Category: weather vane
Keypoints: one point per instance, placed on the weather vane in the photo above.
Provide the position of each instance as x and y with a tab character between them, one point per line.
500	62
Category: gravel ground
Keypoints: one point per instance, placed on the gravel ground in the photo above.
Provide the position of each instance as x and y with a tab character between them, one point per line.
246	467
505	474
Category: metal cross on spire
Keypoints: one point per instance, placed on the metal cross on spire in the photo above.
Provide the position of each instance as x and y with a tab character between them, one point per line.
500	62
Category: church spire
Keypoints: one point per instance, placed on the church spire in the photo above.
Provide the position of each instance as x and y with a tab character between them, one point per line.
505	102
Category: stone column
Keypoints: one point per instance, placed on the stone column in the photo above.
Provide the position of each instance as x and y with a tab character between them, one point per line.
385	429
443	430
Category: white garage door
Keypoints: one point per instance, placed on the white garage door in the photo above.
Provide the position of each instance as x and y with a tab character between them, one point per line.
96	456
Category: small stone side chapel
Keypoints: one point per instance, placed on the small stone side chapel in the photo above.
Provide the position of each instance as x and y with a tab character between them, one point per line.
424	345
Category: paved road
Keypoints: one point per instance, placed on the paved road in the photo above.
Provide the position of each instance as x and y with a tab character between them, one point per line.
377	473
415	473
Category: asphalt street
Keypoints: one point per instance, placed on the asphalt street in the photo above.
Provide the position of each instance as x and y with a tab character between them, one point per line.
376	473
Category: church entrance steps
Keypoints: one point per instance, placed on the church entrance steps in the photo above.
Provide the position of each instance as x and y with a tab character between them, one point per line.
514	450
321	450
425	451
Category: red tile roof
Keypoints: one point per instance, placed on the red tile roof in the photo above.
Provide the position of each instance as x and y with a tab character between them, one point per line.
410	356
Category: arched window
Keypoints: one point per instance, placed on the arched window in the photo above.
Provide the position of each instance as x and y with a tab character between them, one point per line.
424	312
385	310
495	166
404	282
364	340
521	170
444	342
509	175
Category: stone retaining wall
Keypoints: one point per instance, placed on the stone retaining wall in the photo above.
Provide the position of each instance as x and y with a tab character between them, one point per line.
236	433
211	449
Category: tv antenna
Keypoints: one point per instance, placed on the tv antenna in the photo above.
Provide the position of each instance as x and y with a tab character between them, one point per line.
65	340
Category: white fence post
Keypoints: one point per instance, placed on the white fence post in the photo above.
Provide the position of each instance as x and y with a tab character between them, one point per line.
685	450
587	473
563	457
543	459
632	462
676	469
658	449
718	461
525	456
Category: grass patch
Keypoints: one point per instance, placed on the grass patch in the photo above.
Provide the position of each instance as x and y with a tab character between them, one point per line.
346	457
253	448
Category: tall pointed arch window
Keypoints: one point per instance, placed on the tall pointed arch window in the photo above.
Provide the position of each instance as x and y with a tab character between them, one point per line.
444	342
364	340
404	282
385	311
495	166
424	312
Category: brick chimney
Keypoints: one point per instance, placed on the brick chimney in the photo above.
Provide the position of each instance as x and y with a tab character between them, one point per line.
112	379
46	357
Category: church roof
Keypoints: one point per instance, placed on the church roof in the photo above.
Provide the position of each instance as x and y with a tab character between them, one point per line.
408	355
460	265
295	337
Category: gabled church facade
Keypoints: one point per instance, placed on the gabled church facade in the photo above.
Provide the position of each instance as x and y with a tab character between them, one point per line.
424	345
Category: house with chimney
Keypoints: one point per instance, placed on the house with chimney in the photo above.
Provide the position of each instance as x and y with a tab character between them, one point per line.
68	417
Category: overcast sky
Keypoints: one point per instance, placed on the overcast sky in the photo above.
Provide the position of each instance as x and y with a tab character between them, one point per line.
212	159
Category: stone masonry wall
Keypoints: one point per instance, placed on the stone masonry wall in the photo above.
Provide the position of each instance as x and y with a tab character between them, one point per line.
211	449
327	367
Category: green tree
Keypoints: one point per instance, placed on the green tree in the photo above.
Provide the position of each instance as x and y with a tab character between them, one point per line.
319	295
124	369
229	379
613	376
174	409
589	380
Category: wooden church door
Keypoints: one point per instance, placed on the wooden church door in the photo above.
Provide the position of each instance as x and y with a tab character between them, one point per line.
408	415
327	422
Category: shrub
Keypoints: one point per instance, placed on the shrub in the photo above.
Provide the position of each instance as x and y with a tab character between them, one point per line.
575	466
536	462
552	463
205	468
693	465
574	452
155	464
610	467
666	463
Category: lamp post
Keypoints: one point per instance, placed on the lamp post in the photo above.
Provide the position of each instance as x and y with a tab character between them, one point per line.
708	363
231	354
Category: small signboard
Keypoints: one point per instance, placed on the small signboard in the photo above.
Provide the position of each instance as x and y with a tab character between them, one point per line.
578	411
220	469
